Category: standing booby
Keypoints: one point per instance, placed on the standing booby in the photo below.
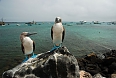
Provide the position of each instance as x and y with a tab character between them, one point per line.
57	32
27	45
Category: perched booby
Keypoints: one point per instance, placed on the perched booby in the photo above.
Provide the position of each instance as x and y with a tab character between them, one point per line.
57	32
27	45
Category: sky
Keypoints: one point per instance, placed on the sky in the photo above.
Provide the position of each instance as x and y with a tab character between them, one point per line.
48	10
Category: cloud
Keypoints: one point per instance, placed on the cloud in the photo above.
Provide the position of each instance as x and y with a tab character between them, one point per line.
69	10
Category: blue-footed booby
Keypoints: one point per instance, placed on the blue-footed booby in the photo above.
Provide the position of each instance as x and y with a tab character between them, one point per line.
57	33
27	45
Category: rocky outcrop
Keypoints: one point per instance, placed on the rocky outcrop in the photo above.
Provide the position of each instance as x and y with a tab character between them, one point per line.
57	64
99	65
62	64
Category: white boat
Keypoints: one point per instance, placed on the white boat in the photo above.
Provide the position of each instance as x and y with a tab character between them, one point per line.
18	25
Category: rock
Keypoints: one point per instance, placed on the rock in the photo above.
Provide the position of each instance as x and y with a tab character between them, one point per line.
90	63
62	64
112	67
113	76
84	74
93	58
98	76
104	64
58	64
111	53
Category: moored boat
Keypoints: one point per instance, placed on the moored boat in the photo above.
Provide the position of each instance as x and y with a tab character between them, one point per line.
2	23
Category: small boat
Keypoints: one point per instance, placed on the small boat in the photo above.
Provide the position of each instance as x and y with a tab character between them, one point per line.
17	24
83	22
30	23
2	23
114	22
96	22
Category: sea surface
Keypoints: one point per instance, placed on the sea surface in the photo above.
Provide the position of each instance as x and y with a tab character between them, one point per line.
79	39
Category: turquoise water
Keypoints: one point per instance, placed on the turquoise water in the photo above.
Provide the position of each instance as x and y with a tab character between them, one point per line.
79	39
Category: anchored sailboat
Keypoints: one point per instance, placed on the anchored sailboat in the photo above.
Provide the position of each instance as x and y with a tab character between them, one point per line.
2	23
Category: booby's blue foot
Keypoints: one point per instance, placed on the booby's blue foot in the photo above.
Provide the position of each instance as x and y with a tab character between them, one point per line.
34	56
26	58
54	48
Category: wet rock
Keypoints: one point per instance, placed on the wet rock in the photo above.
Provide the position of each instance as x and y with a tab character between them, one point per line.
58	64
92	68
112	67
93	58
111	53
104	64
90	63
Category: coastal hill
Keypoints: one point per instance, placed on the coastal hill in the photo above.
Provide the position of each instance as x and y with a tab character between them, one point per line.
62	64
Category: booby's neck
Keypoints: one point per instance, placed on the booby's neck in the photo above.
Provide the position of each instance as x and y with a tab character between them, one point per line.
24	37
58	24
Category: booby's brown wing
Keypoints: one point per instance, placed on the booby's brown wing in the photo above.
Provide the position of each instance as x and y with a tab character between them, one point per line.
33	46
22	48
63	34
52	33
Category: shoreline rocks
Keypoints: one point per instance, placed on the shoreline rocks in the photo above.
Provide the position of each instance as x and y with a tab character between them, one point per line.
62	64
104	64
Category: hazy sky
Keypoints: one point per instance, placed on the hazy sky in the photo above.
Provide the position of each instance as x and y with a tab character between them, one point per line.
68	10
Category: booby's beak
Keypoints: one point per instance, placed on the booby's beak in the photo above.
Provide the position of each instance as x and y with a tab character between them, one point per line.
28	34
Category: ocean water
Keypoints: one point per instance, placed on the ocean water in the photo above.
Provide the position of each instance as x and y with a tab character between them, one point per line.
79	39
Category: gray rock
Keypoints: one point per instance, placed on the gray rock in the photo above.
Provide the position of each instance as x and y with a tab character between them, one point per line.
57	64
98	76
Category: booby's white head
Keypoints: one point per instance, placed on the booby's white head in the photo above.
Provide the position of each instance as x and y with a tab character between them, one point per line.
26	34
58	20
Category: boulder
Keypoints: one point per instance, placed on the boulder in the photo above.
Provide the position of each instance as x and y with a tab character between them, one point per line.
113	76
98	76
99	64
57	64
84	74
